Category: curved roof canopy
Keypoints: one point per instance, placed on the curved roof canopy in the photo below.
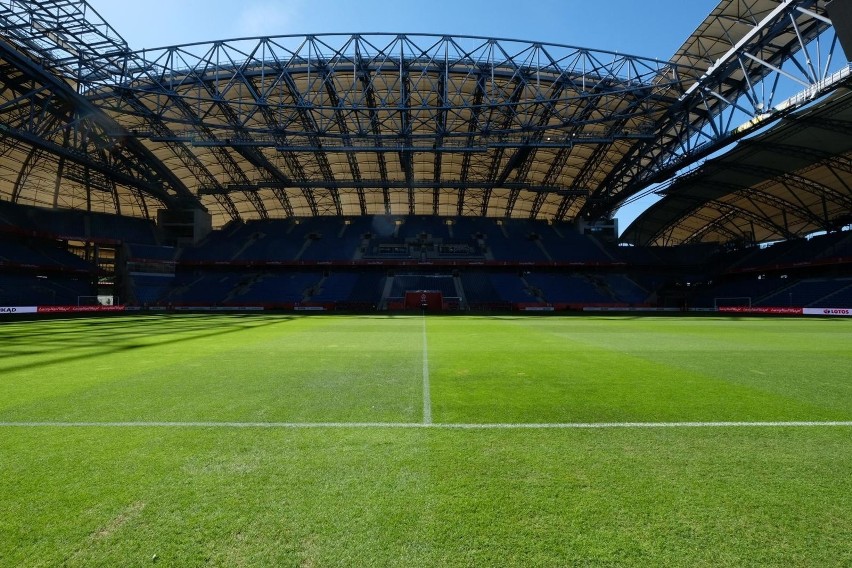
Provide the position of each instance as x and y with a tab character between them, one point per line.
375	123
794	180
349	125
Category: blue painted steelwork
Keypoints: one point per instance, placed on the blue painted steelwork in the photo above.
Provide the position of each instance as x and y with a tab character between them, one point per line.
411	124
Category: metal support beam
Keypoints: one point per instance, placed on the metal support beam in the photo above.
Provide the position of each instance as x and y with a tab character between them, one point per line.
700	122
218	189
146	174
342	125
179	149
369	94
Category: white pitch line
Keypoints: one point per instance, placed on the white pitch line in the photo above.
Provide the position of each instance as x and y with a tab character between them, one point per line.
427	396
440	426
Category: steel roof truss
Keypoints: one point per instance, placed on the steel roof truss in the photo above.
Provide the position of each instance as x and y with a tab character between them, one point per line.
375	126
545	112
761	220
343	126
719	224
761	53
27	168
509	116
311	128
179	149
797	181
749	194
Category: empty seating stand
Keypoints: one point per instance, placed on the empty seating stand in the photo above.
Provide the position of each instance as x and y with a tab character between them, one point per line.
346	261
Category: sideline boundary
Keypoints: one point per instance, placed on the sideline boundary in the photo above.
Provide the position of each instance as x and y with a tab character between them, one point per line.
437	426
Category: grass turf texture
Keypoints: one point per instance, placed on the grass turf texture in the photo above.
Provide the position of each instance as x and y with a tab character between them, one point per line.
338	496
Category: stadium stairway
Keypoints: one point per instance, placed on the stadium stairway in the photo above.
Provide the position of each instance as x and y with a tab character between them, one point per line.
543	250
827	299
253	238
777	296
840	247
624	289
603	248
841	298
386	293
242	287
311	292
178	291
460	292
536	293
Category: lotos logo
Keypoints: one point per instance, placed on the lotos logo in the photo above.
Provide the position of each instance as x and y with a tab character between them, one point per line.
836	312
8	310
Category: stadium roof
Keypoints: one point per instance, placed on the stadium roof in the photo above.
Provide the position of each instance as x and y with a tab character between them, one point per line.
379	123
794	180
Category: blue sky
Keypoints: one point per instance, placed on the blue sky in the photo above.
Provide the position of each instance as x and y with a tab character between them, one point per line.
650	28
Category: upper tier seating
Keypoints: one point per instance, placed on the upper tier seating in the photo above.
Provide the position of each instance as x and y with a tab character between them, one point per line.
807	293
568	288
50	289
74	224
40	253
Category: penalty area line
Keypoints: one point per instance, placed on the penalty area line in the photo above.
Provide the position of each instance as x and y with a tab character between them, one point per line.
440	426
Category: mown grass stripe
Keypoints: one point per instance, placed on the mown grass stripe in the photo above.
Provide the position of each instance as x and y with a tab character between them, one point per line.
444	426
427	396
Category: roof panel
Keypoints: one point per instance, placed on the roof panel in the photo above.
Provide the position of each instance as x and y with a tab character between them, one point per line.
389	119
785	182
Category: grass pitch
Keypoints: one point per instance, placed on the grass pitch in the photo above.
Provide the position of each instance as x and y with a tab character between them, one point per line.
408	441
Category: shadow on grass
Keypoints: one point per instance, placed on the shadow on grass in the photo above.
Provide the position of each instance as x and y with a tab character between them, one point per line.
114	337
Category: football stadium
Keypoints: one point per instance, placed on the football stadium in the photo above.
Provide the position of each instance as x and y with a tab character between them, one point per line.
363	299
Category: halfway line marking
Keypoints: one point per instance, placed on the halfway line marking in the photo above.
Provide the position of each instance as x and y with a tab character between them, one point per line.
444	426
427	397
